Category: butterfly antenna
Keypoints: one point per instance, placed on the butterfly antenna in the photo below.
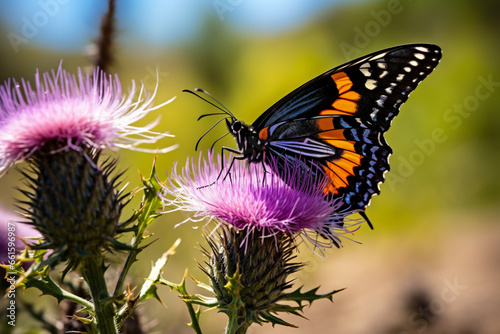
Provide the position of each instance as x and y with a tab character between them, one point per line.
222	108
213	98
212	147
206	132
212	114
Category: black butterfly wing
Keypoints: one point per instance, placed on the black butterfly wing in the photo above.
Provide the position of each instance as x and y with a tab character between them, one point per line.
387	66
338	119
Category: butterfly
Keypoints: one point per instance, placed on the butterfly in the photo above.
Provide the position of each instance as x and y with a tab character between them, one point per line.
337	121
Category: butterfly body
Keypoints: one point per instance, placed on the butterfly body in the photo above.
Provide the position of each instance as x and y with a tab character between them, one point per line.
337	121
250	146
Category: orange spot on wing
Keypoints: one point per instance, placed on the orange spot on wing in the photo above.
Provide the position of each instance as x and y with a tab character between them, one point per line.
336	138
345	105
332	134
337	176
339	170
352	157
342	81
351	95
343	144
324	124
264	133
342	174
333	112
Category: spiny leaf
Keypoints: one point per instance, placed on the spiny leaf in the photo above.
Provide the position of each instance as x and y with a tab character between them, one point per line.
274	320
150	204
48	287
148	289
309	296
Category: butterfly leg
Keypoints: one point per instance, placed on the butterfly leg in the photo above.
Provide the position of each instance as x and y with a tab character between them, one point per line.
239	157
265	172
231	150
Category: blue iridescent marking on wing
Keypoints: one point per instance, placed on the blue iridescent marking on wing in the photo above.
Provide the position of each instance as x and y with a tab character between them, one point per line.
305	100
295	108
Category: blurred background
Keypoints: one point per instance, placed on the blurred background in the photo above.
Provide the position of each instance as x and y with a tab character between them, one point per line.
432	263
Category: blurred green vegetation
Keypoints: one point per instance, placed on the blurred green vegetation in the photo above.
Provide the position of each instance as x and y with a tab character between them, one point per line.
451	179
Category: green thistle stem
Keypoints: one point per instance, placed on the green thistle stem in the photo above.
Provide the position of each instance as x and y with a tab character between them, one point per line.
234	328
233	325
236	311
93	272
189	300
145	217
194	319
131	258
195	325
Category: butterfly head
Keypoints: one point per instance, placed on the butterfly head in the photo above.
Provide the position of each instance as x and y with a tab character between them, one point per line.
240	131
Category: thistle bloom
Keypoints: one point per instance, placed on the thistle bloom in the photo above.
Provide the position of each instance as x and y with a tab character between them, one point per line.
60	126
251	255
74	112
250	198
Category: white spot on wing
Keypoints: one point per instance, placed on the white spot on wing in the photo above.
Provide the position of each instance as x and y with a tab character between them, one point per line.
407	68
365	69
379	56
413	63
422	49
419	56
384	73
371	84
380	102
400	77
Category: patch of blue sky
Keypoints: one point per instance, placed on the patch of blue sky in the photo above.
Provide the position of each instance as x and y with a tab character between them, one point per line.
72	24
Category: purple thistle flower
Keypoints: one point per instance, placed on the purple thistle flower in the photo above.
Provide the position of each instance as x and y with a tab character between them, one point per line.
251	199
251	255
73	111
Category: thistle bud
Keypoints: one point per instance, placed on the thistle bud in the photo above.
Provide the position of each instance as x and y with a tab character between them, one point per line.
251	270
73	202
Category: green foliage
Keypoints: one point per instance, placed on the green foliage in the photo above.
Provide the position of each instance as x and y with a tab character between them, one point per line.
92	267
